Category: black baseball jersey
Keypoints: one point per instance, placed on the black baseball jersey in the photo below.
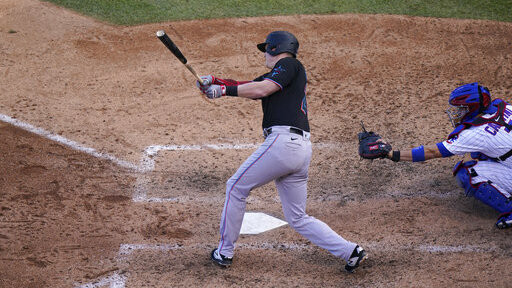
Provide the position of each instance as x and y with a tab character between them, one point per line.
288	106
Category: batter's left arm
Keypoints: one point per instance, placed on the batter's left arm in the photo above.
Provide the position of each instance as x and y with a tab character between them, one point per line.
258	89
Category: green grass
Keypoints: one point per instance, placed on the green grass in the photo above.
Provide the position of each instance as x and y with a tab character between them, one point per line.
132	12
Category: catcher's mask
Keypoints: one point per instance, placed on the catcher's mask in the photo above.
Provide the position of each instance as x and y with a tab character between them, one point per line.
466	102
278	42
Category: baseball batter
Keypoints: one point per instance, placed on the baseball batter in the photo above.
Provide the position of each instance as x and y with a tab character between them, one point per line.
483	129
284	156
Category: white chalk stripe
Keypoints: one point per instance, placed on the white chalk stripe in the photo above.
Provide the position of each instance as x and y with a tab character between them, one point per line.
69	143
147	162
115	280
455	249
127	249
148	158
118	281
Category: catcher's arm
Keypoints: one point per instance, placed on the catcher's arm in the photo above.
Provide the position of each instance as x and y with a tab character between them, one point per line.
372	146
418	154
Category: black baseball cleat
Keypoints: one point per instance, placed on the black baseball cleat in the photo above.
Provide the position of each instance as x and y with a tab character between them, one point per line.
358	256
220	259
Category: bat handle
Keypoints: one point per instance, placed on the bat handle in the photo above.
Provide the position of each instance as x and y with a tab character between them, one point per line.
195	73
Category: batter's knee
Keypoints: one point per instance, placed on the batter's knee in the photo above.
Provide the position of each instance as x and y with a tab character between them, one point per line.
296	220
236	191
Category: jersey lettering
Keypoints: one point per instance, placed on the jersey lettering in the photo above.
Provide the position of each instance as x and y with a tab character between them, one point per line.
507	114
277	70
451	140
492	129
304	107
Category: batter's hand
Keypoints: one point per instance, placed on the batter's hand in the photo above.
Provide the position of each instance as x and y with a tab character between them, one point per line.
207	81
215	91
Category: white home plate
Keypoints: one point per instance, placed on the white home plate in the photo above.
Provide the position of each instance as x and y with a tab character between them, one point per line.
256	223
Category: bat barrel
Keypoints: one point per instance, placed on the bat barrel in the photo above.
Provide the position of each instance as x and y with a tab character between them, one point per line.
171	46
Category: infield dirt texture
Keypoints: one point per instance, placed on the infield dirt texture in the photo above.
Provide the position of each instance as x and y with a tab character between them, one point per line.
74	217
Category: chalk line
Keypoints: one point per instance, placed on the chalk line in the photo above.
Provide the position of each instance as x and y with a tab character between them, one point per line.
150	153
64	141
147	164
128	249
115	280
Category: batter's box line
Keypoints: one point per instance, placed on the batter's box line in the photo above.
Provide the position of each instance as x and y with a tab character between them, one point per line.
118	279
147	164
128	249
66	142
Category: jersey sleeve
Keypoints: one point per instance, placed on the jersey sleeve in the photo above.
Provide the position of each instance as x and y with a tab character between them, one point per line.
283	72
466	142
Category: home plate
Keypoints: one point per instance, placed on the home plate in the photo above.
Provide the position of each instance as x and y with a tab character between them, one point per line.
257	222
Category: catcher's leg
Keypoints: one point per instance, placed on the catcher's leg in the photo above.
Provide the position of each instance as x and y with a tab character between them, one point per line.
483	191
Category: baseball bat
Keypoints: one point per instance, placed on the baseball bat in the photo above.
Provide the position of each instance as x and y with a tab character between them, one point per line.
176	51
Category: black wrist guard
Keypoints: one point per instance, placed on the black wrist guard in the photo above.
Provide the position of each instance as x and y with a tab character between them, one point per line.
396	156
232	91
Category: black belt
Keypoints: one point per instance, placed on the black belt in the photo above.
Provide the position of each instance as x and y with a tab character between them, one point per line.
505	156
268	131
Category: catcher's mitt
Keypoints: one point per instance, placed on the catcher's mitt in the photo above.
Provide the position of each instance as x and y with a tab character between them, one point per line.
370	147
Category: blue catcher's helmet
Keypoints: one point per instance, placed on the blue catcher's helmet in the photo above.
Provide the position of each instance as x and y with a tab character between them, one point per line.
278	42
467	101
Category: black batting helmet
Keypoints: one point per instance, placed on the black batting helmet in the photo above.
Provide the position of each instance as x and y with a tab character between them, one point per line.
279	42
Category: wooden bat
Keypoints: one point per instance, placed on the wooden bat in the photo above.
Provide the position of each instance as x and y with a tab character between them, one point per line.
176	51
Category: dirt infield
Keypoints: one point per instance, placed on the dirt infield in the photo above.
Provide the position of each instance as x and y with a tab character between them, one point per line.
95	192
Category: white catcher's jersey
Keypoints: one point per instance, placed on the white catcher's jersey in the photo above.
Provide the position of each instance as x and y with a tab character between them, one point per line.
492	140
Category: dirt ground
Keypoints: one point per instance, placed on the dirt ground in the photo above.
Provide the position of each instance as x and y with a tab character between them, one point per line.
73	217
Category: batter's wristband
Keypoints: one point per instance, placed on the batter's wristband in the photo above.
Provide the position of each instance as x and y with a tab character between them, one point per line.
232	91
418	154
396	156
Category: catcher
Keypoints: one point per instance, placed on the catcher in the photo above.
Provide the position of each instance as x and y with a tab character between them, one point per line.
482	128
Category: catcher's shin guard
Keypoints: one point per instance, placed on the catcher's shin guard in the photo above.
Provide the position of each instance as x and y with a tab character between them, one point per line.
461	173
483	191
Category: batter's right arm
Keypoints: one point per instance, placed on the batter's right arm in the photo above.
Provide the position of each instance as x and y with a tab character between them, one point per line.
251	90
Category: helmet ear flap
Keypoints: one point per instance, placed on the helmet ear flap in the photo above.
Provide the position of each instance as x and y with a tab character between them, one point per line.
485	95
